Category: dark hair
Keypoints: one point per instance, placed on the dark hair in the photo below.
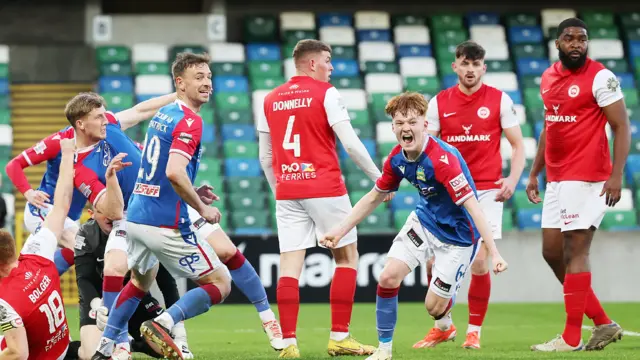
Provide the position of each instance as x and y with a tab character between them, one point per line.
186	60
81	105
570	22
470	50
309	46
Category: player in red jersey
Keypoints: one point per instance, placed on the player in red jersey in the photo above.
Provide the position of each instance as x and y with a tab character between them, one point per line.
32	314
472	117
301	119
580	96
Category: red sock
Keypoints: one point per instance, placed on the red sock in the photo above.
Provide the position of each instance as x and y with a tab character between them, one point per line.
479	293
288	297
343	290
594	310
576	288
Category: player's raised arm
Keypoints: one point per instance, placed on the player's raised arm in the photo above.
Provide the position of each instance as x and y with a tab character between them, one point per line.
64	190
15	334
433	118
143	111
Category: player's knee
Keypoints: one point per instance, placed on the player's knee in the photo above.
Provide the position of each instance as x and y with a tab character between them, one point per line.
480	266
347	256
552	257
437	308
390	280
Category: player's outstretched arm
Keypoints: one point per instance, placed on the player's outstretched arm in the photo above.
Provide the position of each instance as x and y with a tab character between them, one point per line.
360	211
143	111
356	149
265	155
17	344
477	215
64	190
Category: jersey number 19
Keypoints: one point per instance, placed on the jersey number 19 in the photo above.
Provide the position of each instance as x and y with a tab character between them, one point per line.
150	154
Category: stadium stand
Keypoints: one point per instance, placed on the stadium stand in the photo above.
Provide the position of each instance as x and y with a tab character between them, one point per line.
375	55
6	135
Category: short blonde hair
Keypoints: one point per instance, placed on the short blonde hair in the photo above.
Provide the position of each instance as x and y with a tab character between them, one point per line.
7	248
405	102
81	105
309	46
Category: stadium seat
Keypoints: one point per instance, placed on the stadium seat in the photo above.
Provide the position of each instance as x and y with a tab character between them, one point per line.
371	20
529	219
122	84
240	149
405	200
153	85
230	84
521	19
525	34
338	35
6	135
400	217
147	58
263	52
411	35
552	17
383	83
227	53
619	220
488	32
260	28
118	101
376	51
482	18
376	223
238	132
229	101
606	49
505	81
112	54
242	167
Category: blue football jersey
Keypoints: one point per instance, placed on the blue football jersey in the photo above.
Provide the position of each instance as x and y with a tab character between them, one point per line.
91	164
443	179
174	129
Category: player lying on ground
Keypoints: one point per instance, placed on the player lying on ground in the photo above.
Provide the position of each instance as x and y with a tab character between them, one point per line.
160	205
472	117
91	241
448	222
32	312
580	96
302	118
39	200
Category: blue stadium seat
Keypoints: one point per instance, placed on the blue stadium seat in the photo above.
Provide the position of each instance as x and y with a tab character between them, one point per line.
449	80
525	34
522	183
345	68
238	132
405	200
242	167
626	80
414	50
529	219
334	19
531	66
634	49
208	133
4	86
263	52
633	166
635	129
115	84
373	35
537	128
230	84
483	18
145	97
516	96
369	144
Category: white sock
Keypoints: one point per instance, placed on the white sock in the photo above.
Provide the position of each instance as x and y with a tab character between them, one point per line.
473	328
385	345
290	341
179	332
266	316
338	336
105	346
445	323
165	320
126	346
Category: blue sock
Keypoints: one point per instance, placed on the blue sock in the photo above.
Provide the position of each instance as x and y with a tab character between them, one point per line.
124	335
62	265
386	313
195	302
247	280
123	308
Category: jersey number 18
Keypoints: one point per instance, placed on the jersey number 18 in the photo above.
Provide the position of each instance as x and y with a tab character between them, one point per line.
54	310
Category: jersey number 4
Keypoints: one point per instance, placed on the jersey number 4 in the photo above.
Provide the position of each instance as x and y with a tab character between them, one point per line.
54	309
150	153
287	144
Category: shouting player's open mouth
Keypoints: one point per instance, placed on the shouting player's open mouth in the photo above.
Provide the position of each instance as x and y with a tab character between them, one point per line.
407	139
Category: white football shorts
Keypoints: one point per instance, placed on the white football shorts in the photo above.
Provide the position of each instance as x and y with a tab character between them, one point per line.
415	244
492	210
573	205
33	219
302	223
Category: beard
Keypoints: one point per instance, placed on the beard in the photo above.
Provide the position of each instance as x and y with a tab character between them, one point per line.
571	63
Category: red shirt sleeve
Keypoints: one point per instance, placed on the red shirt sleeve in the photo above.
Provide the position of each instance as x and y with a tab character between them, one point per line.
111	117
187	135
448	172
88	183
389	181
44	150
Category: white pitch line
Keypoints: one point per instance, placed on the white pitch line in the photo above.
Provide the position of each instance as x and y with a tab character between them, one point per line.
625	332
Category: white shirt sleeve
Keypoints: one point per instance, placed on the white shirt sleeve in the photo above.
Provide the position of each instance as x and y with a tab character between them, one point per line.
335	107
262	124
433	119
508	117
42	243
9	318
356	149
606	88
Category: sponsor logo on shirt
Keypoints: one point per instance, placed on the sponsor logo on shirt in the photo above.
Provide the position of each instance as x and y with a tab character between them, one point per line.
559	118
188	260
40	148
459	182
85	190
442	285
415	239
185	137
163	117
106	155
298	171
158	126
147	190
467	137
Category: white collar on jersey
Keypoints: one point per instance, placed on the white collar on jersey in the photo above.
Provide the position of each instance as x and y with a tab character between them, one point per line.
424	146
181	103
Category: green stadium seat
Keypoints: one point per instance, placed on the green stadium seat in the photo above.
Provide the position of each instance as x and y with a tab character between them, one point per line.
196	49
5	118
359	182
291	37
423	84
379	100
113	54
5	101
616	65
530	81
115	69
400	217
245	185
246	202
235	101
385	148
118	100
532	98
260	29
211	150
4	71
153	68
269	69
266	83
630	97
523	51
499	66
527	130
207	114
5	153
134	133
619	219
364	131
250	219
347	82
445	54
609	32
521	19
635	146
450	37
595	19
217	182
405	19
342	52
355	196
227	68
507	220
630	19
451	21
376	223
521	202
632	34
240	149
233	116
373	67
210	167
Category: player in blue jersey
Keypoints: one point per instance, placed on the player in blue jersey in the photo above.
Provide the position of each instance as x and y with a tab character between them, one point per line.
448	222
170	221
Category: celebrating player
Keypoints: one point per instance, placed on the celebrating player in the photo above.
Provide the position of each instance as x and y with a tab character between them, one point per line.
580	96
300	117
38	200
472	116
33	319
448	222
91	241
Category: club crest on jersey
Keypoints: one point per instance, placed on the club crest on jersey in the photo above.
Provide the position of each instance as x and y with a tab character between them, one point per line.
574	90
613	84
420	174
484	112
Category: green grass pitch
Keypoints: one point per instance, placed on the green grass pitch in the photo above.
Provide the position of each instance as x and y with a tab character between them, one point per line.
234	332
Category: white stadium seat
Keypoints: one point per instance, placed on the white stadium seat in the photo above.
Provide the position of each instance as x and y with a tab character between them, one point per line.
553	17
227	52
625	203
354	99
376	51
257	101
294	20
606	49
4	54
150	53
487	32
418	66
10	202
411	35
495	50
6	135
372	20
338	35
153	84
505	81
553	52
384	134
530	148
383	83
289	68
521	113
